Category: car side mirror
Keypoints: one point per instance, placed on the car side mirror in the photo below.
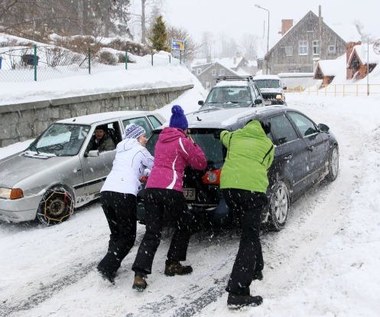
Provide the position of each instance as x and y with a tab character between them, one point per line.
284	87
258	101
201	102
323	127
93	153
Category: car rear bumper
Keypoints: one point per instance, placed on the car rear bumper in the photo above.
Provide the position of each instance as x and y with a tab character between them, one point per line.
19	210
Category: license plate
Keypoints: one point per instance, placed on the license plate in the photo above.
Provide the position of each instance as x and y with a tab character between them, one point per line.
189	193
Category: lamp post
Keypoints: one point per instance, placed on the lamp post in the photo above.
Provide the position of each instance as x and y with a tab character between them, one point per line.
268	12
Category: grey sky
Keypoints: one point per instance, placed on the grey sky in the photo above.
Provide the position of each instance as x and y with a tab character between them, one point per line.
235	17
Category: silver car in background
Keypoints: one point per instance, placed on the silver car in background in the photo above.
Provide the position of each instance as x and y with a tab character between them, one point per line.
57	173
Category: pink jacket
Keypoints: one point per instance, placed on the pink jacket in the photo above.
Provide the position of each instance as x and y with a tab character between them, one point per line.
173	152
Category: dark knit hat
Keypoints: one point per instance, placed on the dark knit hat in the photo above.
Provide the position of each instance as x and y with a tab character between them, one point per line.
133	131
178	118
102	127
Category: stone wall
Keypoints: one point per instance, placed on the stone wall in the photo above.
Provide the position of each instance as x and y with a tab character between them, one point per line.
20	122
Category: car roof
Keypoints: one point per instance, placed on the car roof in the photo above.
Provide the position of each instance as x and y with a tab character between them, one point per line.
100	117
259	77
232	83
230	117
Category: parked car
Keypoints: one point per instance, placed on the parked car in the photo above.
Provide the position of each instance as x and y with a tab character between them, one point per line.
57	172
305	154
233	91
271	88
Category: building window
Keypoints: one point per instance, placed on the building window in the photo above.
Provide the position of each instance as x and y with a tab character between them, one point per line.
221	72
303	48
331	49
213	72
199	70
288	50
316	48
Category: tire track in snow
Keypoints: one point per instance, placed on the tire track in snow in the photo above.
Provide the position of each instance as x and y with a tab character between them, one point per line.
47	291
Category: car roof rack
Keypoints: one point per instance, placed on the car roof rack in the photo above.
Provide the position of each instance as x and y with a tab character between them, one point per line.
221	78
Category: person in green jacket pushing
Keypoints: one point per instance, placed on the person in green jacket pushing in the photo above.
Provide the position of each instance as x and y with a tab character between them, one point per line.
244	181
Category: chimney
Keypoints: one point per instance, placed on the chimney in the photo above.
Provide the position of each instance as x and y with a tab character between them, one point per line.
286	24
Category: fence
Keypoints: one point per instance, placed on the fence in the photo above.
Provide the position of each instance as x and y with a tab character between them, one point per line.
342	90
39	63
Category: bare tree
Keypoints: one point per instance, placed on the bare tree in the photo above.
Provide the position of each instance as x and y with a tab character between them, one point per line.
191	47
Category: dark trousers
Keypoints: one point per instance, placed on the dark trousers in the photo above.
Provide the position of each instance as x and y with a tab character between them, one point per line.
247	207
120	211
157	202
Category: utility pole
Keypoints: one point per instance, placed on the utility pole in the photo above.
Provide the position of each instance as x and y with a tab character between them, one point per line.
268	12
143	27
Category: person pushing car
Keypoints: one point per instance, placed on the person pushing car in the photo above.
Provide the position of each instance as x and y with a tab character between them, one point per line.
244	181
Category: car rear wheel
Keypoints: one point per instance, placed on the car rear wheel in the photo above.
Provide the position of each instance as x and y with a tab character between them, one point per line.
333	168
56	206
279	206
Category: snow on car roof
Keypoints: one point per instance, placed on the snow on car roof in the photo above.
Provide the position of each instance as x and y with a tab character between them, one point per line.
98	117
222	118
260	77
224	83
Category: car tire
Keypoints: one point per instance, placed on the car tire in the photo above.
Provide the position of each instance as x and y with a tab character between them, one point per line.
279	205
333	165
56	206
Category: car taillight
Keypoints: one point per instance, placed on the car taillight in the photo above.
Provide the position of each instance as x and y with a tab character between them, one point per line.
211	177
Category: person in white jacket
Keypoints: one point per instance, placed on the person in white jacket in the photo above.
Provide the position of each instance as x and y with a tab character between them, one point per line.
118	197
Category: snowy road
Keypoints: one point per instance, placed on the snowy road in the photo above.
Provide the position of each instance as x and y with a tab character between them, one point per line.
51	271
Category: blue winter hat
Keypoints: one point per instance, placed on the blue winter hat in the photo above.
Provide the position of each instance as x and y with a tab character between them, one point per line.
178	118
133	131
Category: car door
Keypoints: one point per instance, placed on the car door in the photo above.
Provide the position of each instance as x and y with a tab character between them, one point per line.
291	154
316	142
97	167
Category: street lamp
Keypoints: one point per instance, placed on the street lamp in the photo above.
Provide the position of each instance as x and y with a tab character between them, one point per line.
268	12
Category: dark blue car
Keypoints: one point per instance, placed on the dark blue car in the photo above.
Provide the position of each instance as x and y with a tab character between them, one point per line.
305	154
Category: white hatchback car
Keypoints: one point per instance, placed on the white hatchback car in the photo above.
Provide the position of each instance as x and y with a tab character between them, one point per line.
57	172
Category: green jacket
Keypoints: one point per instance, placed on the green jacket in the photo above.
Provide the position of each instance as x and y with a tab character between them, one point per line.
250	153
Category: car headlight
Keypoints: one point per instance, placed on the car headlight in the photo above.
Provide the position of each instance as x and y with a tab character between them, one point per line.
11	193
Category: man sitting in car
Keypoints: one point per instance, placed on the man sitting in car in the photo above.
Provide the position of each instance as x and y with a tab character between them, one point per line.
101	140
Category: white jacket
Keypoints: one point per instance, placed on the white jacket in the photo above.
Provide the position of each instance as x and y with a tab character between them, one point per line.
130	161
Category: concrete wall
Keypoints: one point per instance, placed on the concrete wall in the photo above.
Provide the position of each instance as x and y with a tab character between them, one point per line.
20	122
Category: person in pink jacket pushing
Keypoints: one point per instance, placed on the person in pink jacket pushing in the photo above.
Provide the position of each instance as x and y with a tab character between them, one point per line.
174	151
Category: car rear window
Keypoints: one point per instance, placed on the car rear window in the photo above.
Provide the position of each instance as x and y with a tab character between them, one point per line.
207	139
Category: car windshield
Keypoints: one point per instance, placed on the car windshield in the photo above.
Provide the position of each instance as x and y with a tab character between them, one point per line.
229	96
207	139
267	83
61	139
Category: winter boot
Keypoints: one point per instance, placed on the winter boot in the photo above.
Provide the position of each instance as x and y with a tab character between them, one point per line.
175	268
109	276
236	301
258	275
139	283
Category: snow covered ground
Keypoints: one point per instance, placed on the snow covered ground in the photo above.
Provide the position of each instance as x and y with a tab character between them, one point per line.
324	263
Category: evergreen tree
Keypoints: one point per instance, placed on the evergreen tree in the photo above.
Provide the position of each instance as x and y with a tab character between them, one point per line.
159	35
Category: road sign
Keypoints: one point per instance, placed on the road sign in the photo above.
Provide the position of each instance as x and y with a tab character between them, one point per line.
178	45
